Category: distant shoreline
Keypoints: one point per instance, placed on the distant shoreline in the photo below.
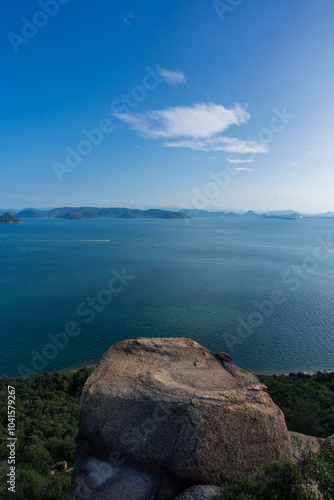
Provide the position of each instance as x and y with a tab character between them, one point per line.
286	374
94	362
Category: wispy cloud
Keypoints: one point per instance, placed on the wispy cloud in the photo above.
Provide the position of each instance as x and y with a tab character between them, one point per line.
239	160
295	174
173	78
244	169
309	152
197	127
128	19
104	202
125	202
230	145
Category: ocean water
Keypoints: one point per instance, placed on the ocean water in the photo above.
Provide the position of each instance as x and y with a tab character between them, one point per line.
261	290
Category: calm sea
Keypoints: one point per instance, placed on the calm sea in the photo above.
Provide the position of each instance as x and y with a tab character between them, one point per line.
262	290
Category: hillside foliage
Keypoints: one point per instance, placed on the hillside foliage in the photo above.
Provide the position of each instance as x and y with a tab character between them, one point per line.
307	401
47	407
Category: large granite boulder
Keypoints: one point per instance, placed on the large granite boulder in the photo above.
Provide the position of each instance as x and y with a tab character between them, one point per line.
174	409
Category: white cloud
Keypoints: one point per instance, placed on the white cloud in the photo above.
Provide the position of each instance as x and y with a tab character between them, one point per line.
174	78
199	121
295	174
197	127
244	169
239	160
309	152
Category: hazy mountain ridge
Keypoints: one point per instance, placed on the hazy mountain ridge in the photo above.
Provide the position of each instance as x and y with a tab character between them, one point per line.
97	213
279	214
175	213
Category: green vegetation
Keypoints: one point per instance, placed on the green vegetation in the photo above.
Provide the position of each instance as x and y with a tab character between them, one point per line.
47	407
307	401
311	479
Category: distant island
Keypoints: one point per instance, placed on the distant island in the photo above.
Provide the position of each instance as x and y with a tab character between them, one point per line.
285	214
276	214
75	213
9	218
99	213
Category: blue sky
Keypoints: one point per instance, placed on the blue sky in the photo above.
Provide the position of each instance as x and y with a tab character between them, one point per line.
194	104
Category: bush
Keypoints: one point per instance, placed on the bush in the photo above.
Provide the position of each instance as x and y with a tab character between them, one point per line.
33	486
286	480
307	401
4	493
319	467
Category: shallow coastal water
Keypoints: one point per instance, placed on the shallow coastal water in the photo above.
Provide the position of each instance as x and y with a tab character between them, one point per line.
206	279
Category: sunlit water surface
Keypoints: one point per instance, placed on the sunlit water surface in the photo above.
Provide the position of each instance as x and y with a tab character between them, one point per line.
200	279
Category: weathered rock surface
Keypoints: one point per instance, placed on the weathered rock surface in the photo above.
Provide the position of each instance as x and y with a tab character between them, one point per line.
329	443
174	408
200	493
313	442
